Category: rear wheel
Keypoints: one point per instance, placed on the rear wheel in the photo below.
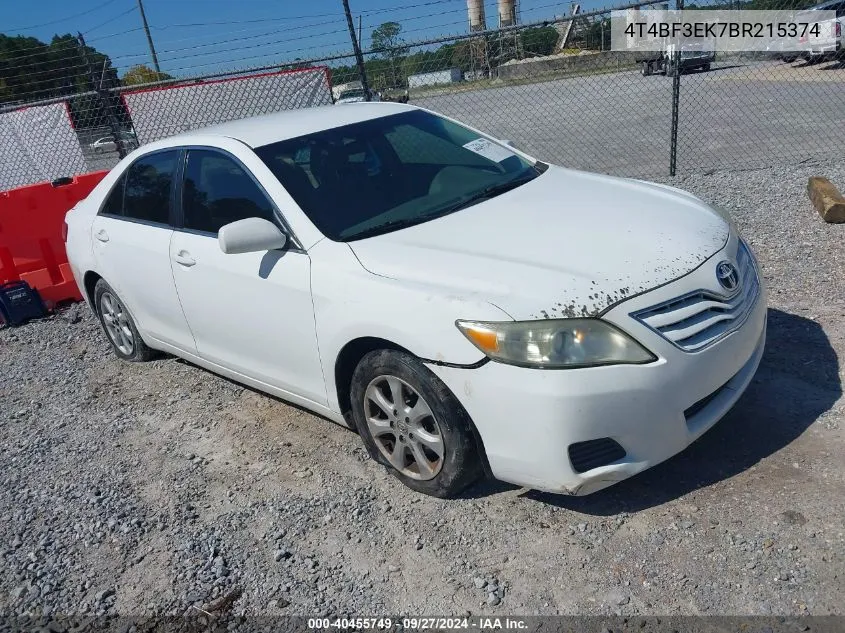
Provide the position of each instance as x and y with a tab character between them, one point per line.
119	325
412	424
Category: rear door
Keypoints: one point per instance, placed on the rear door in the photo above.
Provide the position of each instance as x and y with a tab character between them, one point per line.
131	236
252	312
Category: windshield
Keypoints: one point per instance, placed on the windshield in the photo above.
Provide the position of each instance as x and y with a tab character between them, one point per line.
351	94
384	174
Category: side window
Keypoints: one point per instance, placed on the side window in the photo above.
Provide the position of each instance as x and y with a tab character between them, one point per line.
218	191
114	203
148	184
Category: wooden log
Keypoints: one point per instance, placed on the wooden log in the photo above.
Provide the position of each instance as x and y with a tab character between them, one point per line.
826	199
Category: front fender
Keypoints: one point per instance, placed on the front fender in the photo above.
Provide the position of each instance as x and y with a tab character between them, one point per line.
351	303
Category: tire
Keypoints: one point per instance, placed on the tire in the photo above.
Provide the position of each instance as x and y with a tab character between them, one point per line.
706	68
442	425
123	336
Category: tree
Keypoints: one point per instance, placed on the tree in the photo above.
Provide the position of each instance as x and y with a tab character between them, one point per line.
387	40
541	40
142	74
31	70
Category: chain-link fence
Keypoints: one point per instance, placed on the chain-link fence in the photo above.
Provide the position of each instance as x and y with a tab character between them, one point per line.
552	86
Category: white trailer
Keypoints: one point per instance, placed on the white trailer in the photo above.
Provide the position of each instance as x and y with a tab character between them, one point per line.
440	77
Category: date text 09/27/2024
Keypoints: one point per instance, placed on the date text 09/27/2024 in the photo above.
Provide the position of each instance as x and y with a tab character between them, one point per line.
418	624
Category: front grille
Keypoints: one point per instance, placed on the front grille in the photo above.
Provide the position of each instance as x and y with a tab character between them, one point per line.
700	318
594	453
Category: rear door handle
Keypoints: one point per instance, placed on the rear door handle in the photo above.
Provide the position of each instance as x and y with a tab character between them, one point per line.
102	235
184	258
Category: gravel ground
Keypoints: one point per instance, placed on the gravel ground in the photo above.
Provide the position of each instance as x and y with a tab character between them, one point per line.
142	489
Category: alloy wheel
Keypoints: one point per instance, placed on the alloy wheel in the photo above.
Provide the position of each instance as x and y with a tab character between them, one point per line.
404	428
115	319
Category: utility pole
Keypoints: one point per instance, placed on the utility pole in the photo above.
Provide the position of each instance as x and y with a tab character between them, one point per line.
357	47
360	28
103	97
149	37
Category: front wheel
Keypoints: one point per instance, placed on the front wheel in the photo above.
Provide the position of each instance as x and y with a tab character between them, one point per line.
412	424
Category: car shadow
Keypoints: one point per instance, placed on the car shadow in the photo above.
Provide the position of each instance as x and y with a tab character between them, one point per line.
837	64
715	69
798	380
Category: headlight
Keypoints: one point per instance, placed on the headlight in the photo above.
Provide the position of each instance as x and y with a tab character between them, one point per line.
555	343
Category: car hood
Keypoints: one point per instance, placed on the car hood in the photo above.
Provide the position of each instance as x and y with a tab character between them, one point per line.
566	244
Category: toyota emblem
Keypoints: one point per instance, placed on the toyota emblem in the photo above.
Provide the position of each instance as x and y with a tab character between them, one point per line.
728	275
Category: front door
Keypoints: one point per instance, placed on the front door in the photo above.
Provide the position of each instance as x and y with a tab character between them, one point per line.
252	312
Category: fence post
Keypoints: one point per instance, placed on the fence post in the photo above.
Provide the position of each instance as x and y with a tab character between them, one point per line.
676	94
103	97
357	48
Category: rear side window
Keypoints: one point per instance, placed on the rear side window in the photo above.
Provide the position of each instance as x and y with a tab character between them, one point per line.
149	181
218	191
114	203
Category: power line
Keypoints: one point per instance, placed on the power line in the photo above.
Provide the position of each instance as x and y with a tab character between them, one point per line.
277	32
109	21
71	17
110	35
269	54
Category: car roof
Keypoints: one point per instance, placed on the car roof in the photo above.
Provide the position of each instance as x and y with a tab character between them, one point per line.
279	126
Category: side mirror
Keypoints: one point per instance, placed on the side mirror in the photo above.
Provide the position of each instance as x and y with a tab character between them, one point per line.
507	142
251	235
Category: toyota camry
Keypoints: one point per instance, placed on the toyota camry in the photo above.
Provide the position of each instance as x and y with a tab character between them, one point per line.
470	310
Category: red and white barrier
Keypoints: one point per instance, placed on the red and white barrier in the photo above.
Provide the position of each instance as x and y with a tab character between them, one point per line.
32	247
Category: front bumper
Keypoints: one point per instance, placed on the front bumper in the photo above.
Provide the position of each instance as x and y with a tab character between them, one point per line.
528	418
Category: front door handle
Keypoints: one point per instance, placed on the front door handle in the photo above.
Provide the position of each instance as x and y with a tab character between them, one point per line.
184	258
102	235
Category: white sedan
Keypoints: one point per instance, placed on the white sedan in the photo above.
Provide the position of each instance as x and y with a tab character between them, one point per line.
355	95
469	310
104	144
107	144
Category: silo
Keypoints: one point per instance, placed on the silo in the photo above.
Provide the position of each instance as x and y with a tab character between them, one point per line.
507	13
475	9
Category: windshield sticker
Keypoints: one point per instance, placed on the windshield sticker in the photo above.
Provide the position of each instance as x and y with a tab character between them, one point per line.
489	150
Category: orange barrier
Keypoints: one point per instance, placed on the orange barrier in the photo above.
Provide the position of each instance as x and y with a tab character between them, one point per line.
31	244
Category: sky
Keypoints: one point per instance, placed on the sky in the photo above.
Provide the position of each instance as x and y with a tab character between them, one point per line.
196	37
